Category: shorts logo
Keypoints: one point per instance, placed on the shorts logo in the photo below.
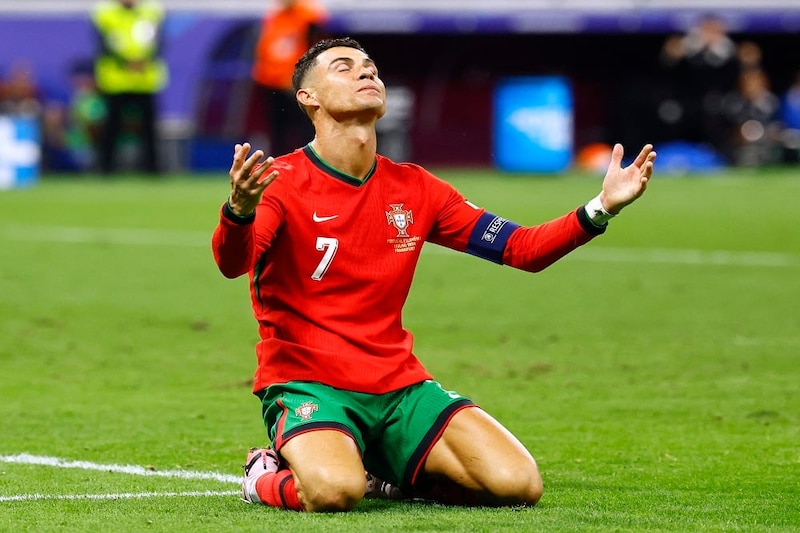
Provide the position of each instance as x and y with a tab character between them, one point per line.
306	410
399	218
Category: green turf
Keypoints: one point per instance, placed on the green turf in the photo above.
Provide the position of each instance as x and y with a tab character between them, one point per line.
654	374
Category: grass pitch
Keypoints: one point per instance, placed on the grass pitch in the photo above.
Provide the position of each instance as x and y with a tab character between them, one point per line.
654	373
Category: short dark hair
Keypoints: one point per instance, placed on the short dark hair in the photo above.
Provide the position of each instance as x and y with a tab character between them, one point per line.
305	63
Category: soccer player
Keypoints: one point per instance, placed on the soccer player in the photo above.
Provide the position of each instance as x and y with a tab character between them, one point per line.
330	235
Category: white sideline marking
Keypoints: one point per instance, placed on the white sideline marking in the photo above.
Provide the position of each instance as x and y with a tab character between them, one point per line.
121	496
158	237
28	459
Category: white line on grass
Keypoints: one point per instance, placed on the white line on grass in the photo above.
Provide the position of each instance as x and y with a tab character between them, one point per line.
121	496
158	237
42	460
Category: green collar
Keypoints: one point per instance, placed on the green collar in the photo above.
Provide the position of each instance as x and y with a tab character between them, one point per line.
333	172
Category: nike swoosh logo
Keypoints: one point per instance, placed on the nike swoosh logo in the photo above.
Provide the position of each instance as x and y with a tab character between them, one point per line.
323	219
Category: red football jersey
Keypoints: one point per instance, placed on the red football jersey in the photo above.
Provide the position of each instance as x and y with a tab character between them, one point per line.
331	260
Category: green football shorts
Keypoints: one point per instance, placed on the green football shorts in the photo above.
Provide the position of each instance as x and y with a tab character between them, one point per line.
394	431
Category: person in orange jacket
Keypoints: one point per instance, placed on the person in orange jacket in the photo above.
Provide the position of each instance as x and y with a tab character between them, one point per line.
287	31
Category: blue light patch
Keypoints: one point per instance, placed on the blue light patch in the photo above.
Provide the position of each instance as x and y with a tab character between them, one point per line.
20	151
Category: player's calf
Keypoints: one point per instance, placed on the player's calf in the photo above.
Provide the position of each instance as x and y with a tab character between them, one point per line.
497	487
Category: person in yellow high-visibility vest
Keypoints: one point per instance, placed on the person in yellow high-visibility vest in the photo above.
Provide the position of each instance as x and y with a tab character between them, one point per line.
129	73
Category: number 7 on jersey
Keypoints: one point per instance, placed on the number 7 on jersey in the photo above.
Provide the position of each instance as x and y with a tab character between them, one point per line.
329	246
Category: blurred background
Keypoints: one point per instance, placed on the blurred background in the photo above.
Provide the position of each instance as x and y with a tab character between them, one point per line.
519	85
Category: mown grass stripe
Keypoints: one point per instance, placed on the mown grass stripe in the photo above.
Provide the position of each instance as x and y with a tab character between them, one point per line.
157	237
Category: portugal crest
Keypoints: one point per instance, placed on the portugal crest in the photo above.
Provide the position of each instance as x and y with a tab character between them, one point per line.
305	410
399	218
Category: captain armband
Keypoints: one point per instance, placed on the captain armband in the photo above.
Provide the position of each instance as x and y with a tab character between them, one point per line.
489	236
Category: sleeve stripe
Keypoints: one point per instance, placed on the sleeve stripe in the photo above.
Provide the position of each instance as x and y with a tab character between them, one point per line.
489	236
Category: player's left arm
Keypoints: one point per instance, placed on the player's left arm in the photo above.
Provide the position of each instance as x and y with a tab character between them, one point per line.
465	227
534	248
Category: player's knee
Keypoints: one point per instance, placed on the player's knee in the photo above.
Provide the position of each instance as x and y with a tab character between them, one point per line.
329	492
534	490
518	486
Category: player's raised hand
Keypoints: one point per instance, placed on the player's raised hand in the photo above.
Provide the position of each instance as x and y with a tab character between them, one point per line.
247	179
621	186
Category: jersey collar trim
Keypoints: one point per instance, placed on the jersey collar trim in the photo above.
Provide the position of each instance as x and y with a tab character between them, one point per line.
338	174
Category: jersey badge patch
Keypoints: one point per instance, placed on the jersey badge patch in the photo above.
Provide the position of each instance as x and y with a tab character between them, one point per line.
399	218
305	410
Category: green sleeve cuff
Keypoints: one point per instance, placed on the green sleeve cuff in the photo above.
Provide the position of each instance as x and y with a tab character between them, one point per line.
228	213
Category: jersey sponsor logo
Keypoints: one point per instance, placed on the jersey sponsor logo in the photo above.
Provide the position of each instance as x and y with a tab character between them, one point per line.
306	410
323	219
399	218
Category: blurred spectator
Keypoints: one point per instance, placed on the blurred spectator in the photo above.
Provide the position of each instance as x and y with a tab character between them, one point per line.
19	93
749	55
129	73
790	115
87	113
55	154
71	128
393	128
288	29
702	66
754	112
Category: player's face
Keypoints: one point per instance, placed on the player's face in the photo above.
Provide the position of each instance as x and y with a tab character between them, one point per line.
345	81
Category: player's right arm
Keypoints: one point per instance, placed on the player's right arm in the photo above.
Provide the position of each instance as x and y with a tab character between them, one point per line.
234	240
